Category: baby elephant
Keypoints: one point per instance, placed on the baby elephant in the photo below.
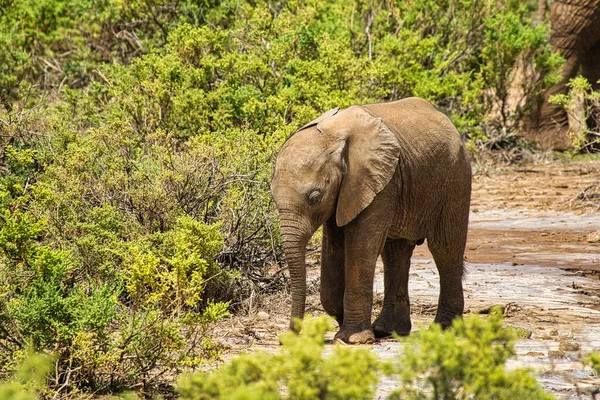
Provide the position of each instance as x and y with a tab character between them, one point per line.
380	178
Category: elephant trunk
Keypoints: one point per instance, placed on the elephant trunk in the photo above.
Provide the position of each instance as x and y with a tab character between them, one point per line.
295	236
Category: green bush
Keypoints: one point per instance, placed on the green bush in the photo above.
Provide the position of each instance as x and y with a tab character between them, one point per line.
30	380
466	57
582	104
193	130
54	44
104	334
299	370
464	362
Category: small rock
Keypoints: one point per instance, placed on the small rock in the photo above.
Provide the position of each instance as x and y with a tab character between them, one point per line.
568	346
262	316
523	333
535	354
556	354
593	237
554	332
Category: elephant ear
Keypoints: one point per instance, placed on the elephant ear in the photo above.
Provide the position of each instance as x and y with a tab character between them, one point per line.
323	117
370	152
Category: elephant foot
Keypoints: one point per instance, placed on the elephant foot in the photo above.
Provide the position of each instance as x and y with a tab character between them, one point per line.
444	324
386	324
355	337
446	319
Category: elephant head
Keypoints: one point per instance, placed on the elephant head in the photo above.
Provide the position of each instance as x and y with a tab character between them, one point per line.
333	166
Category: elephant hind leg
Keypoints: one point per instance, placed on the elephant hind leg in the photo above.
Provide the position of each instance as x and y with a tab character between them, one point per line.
450	266
395	315
332	270
447	247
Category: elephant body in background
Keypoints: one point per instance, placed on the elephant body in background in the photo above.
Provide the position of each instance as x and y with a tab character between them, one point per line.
575	34
380	178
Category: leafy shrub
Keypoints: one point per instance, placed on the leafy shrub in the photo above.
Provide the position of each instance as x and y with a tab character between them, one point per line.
54	44
30	379
483	62
100	339
582	104
464	362
299	370
193	130
174	278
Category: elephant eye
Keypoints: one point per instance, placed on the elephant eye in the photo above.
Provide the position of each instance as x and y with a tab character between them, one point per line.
315	197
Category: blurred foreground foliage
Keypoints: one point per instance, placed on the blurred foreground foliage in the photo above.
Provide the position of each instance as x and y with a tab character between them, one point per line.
30	379
464	362
467	361
137	146
299	370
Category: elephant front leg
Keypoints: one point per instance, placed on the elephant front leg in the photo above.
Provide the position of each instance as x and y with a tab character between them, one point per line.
332	270
362	247
395	315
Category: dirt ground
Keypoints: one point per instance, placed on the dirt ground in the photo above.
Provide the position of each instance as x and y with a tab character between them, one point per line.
533	248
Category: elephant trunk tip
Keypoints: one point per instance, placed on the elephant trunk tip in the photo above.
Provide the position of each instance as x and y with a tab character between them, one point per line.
296	324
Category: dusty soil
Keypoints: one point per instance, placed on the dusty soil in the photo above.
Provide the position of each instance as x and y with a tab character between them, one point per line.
533	248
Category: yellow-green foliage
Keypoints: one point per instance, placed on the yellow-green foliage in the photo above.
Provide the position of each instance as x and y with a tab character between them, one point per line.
48	301
582	104
299	370
464	362
171	274
30	379
593	360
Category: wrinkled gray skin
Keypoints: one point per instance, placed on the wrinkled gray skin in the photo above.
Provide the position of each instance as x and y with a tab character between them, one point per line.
380	178
575	34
